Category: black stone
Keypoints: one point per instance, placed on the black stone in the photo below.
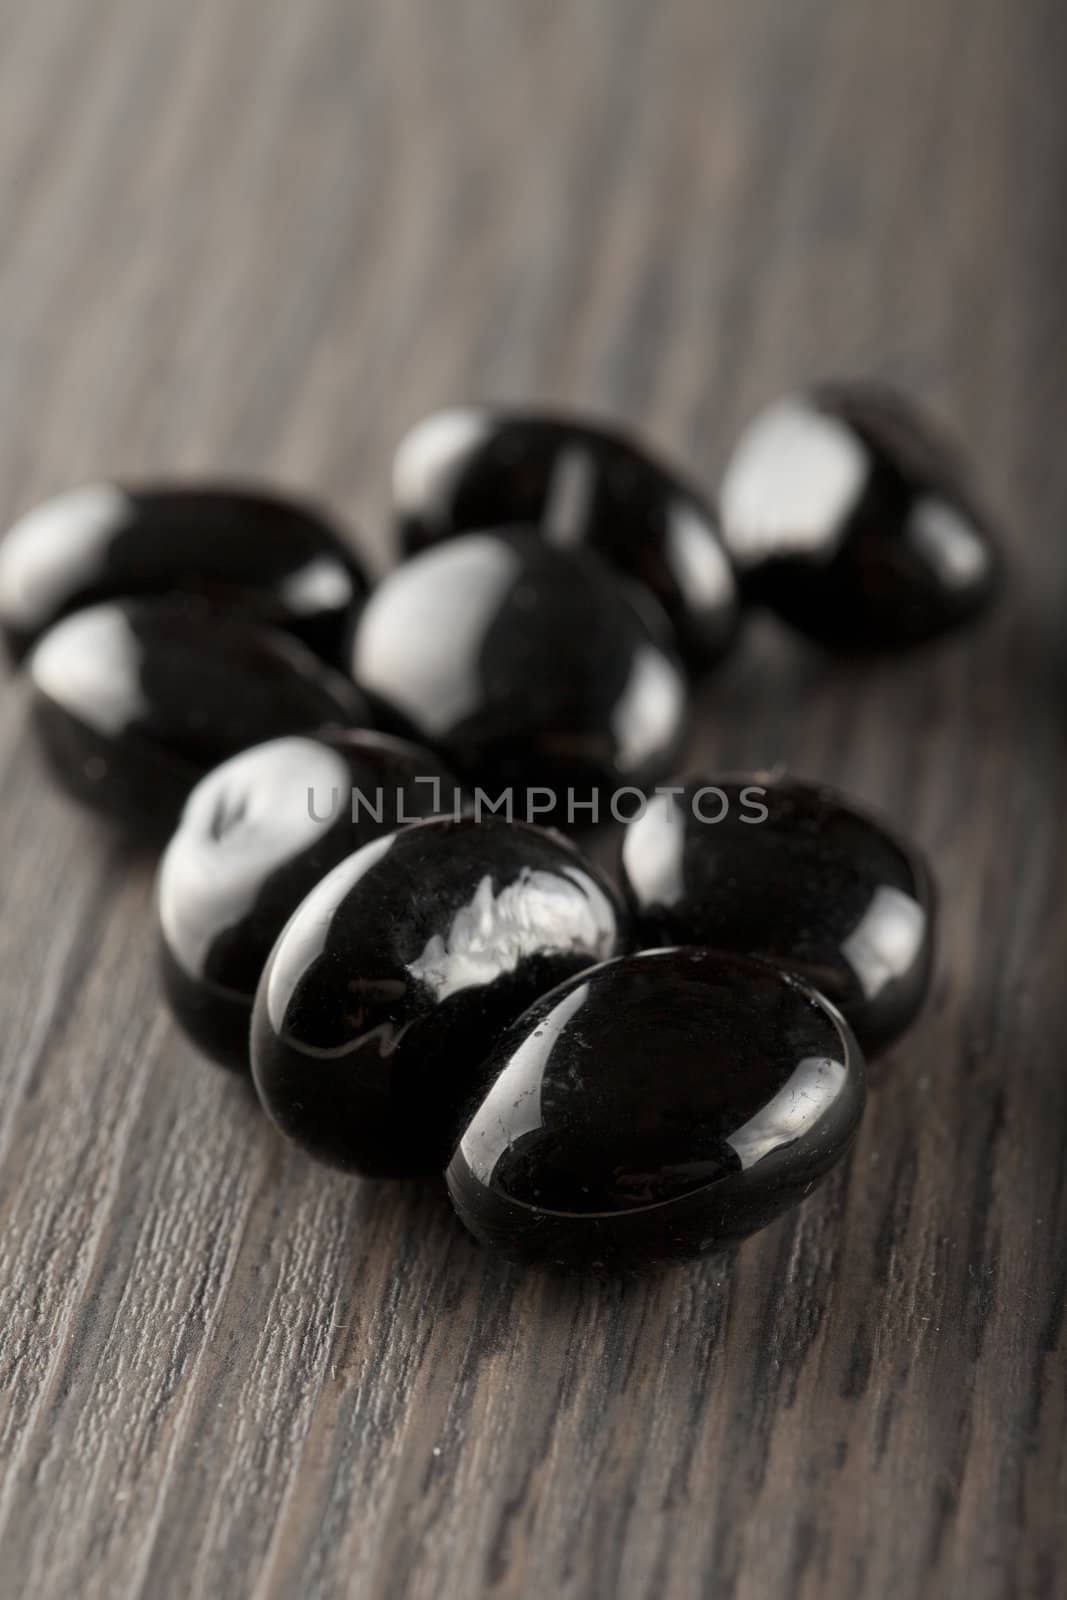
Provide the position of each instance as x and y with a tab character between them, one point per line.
798	875
468	468
395	977
526	665
658	1107
260	556
256	836
850	516
136	701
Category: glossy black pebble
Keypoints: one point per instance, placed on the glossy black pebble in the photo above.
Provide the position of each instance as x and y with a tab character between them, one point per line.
136	701
661	1106
798	875
848	515
256	836
395	977
261	556
467	468
526	665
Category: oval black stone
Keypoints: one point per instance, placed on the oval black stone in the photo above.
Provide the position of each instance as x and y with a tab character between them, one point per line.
526	665
261	556
393	980
256	836
468	468
136	701
658	1107
848	515
798	875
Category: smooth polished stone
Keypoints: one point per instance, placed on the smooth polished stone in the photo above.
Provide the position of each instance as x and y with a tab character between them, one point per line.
257	555
468	468
528	666
850	516
796	874
658	1107
256	836
393	980
135	701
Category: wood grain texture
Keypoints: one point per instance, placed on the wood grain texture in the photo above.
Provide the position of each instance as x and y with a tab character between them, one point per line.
262	237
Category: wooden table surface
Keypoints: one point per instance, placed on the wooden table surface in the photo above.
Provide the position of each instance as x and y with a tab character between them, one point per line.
262	237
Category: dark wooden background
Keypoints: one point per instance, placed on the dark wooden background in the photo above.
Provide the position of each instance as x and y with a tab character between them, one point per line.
263	236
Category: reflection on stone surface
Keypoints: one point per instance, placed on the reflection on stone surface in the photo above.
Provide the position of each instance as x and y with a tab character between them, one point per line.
467	468
656	1107
818	887
255	838
395	977
848	515
262	557
527	665
137	700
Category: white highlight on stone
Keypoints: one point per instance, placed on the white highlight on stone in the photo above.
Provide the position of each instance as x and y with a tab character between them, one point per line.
884	943
91	663
653	699
64	536
570	496
794	478
304	936
436	688
323	584
653	852
246	819
949	542
432	452
796	1108
498	928
708	575
513	1105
